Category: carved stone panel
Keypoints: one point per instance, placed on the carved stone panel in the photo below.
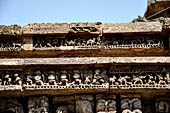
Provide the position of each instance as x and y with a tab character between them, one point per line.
162	105
106	103
13	44
11	106
131	104
84	104
38	104
64	104
95	42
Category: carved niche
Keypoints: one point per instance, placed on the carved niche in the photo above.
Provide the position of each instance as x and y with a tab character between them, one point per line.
84	104
11	106
38	104
131	104
10	44
64	104
162	105
106	104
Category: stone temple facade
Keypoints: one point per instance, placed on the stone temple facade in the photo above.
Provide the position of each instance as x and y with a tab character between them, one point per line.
86	67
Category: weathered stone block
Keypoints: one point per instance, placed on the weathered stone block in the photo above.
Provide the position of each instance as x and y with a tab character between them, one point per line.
137	27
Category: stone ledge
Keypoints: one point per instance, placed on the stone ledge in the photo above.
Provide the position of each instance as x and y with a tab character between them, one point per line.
84	60
81	28
10	30
136	27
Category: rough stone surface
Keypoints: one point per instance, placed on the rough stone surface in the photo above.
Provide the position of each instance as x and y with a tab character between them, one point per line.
92	28
83	106
10	30
155	6
132	27
47	28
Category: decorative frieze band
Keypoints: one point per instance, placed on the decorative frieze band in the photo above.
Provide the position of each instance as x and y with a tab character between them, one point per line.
82	79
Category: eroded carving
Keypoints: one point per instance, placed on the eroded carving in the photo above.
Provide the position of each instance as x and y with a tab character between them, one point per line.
11	45
129	105
38	105
82	79
11	106
97	42
84	104
162	105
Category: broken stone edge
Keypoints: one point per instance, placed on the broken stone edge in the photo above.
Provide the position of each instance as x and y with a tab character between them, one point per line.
65	28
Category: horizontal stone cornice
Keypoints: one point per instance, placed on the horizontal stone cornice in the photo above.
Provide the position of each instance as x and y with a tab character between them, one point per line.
84	60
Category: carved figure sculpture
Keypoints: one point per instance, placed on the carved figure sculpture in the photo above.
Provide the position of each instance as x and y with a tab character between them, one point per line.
8	79
32	104
38	105
106	106
111	106
124	80
51	78
70	43
126	111
29	79
138	80
13	106
163	107
76	77
137	111
91	42
151	80
38	78
113	80
87	80
17	79
100	105
130	104
43	104
161	79
64	80
62	109
0	82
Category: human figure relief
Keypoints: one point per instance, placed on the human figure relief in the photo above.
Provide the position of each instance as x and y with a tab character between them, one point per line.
76	77
64	80
7	79
51	78
17	79
38	78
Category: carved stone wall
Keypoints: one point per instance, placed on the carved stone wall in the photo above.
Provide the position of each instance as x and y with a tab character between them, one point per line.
83	79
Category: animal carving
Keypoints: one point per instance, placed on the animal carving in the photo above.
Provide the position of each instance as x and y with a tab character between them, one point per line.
91	42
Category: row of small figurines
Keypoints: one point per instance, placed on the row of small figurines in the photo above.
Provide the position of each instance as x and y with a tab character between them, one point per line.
93	42
96	79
